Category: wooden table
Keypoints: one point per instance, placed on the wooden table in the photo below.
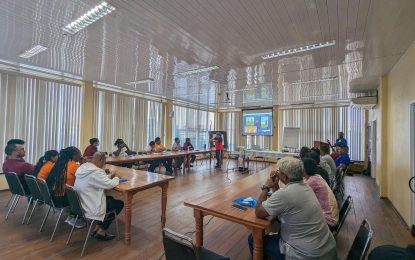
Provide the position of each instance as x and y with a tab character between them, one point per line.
139	181
218	203
157	156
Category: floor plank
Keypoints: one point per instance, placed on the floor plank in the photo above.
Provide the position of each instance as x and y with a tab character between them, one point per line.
24	241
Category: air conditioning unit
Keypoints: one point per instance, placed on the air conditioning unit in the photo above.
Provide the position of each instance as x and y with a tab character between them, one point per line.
367	102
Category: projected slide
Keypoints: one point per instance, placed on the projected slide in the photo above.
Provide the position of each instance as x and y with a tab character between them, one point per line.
257	122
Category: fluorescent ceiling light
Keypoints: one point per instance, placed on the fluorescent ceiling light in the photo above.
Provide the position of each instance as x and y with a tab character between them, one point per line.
140	81
298	49
313	81
200	70
33	51
88	18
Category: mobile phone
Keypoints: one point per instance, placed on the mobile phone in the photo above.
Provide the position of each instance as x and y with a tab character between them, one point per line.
236	206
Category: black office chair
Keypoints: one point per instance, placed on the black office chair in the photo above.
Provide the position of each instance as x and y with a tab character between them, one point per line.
17	190
35	192
178	246
76	208
47	199
361	242
344	211
338	184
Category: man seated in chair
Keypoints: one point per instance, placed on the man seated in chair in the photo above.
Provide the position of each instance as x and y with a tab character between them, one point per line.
158	148
90	183
187	146
343	161
304	233
176	148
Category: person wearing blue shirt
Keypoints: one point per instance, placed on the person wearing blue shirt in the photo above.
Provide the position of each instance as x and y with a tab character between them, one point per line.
341	140
343	160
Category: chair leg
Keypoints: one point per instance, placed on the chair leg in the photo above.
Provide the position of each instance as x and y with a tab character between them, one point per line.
15	203
31	213
8	202
56	225
116	226
73	227
27	209
11	205
87	237
44	219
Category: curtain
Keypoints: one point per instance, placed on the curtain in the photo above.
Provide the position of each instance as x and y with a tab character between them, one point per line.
135	120
46	114
194	124
320	124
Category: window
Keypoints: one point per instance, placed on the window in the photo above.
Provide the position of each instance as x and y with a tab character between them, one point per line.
46	114
194	124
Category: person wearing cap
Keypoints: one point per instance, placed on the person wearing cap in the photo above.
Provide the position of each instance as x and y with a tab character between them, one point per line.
343	161
218	149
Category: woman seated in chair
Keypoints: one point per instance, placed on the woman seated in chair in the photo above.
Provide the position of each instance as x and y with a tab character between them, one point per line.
90	183
45	164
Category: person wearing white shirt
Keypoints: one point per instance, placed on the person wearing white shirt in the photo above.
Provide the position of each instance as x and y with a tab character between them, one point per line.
90	183
325	157
122	148
176	148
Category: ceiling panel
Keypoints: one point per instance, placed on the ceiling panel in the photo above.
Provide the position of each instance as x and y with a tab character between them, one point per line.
159	38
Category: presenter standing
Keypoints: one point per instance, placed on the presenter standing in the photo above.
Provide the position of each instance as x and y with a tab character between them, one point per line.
218	149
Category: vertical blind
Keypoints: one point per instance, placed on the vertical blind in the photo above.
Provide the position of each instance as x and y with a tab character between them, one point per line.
320	124
135	120
46	114
194	124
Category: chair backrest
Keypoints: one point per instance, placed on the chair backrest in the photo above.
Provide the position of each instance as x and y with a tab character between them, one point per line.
74	201
33	187
361	242
344	211
178	246
15	185
44	190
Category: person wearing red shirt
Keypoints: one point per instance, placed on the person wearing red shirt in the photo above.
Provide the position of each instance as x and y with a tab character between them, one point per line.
218	149
14	161
92	147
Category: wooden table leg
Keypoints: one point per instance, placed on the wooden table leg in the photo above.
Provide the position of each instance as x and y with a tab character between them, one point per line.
163	203
199	227
188	163
128	198
258	235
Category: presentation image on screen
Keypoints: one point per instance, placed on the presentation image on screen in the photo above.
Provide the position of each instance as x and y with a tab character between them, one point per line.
257	122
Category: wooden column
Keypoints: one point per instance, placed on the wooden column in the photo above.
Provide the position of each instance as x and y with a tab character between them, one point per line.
168	124
87	116
275	131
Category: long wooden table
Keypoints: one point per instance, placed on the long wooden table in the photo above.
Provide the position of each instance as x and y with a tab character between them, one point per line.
139	181
157	156
219	204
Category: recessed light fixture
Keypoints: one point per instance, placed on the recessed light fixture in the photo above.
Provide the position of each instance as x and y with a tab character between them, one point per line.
313	81
33	51
298	49
200	70
140	81
88	18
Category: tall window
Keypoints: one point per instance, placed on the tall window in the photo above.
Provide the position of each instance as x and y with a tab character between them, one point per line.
194	124
135	120
46	114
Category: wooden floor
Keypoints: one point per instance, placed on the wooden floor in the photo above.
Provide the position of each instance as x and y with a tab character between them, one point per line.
24	241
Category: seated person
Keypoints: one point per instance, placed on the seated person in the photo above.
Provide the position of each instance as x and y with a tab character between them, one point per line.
90	183
14	161
63	172
325	157
303	151
187	146
175	148
323	193
320	171
122	148
158	148
153	163
304	233
334	155
343	161
92	147
45	164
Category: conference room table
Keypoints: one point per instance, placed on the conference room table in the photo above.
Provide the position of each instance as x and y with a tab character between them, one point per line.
139	181
219	204
157	156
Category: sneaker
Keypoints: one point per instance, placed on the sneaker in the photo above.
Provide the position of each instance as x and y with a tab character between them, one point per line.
106	237
70	219
191	165
81	223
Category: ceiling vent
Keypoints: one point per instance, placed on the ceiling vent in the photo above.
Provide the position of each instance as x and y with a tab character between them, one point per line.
367	102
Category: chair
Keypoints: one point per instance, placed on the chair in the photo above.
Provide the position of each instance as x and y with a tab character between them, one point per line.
17	190
338	184
34	191
76	208
47	199
361	242
344	211
178	246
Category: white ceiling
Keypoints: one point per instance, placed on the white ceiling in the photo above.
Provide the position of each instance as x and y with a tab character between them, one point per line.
158	38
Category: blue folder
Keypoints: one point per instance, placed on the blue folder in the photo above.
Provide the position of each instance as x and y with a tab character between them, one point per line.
241	201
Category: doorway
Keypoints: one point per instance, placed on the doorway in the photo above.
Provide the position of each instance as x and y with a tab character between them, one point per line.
372	136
